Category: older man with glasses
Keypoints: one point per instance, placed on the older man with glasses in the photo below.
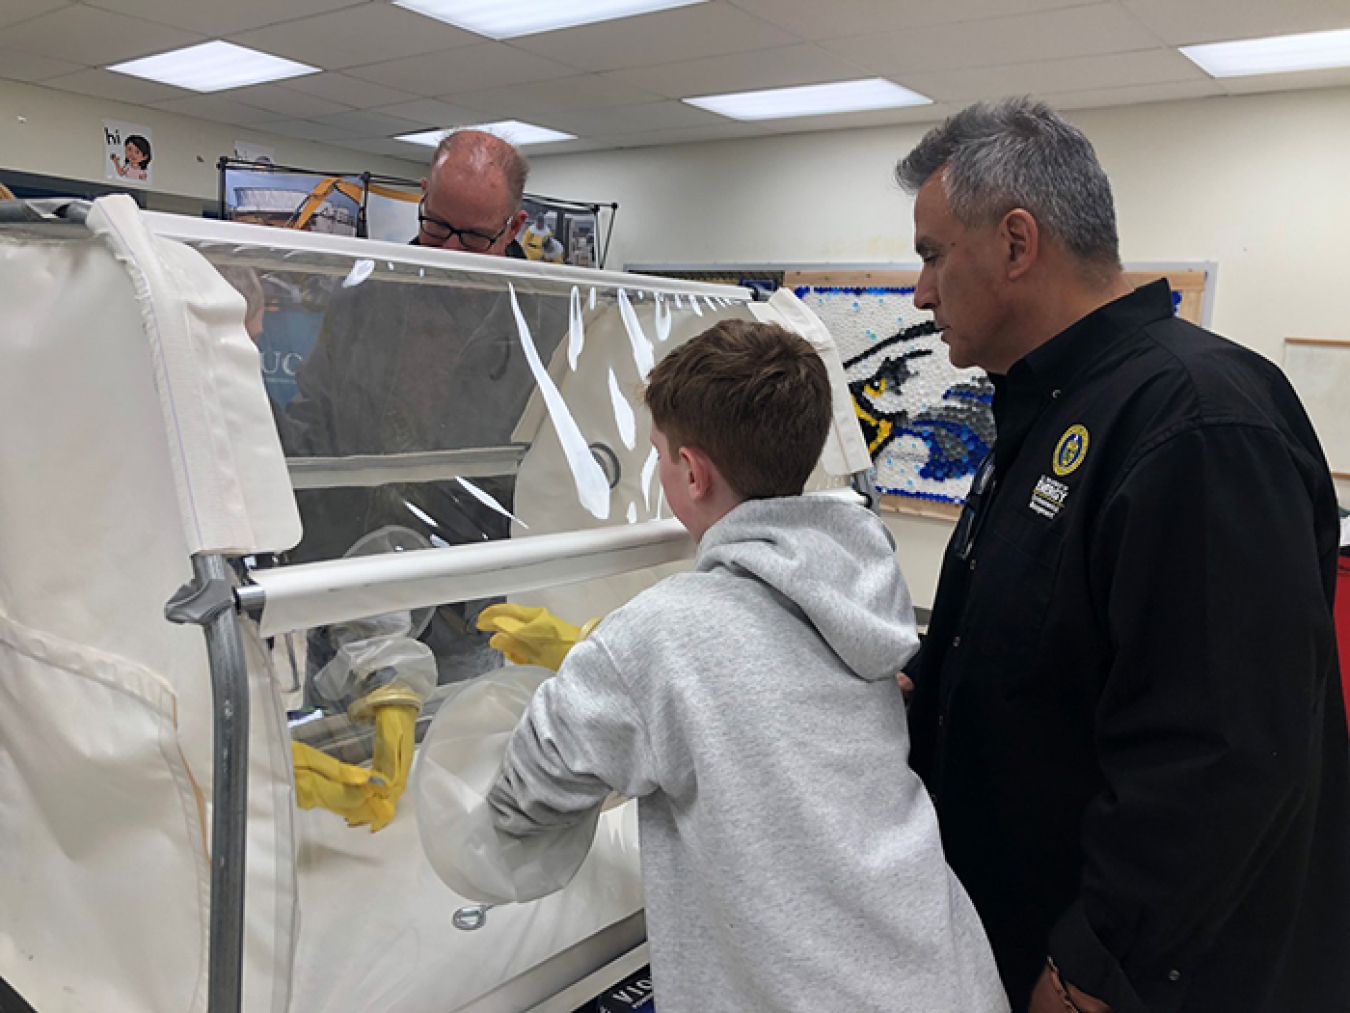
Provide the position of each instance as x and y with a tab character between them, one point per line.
471	200
404	366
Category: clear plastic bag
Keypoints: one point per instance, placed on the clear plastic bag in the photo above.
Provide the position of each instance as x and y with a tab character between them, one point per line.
380	650
458	763
362	666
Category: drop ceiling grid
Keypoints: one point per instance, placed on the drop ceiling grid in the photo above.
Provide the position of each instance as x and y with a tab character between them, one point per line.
618	83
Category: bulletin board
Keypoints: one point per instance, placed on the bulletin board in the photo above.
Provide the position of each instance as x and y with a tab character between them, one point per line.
927	424
1319	369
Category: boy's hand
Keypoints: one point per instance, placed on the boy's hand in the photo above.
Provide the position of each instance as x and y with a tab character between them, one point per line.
530	635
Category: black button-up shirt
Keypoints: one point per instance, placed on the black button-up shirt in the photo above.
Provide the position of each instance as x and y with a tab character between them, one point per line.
1127	707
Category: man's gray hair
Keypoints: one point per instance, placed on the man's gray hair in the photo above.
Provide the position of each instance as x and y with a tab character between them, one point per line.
1019	153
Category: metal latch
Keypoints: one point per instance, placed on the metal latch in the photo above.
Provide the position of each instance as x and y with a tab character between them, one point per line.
199	604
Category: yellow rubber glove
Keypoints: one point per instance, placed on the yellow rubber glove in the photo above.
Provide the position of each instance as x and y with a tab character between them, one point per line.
395	742
325	783
530	635
359	795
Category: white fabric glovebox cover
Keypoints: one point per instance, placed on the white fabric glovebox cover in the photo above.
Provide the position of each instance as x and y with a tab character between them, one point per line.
137	432
845	450
233	489
105	713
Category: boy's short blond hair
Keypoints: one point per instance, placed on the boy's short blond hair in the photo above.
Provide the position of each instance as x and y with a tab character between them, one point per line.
752	396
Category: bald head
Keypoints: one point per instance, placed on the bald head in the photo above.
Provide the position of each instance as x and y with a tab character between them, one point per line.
480	154
473	194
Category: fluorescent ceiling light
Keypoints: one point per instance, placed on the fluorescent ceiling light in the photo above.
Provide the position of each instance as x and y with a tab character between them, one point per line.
213	66
1277	55
506	19
510	130
811	100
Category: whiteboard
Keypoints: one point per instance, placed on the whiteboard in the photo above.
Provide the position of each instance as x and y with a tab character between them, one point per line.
1320	372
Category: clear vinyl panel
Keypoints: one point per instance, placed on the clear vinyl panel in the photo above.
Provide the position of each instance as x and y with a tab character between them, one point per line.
424	406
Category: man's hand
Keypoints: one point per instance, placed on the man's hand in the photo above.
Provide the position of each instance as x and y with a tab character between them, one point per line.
531	635
906	686
1047	997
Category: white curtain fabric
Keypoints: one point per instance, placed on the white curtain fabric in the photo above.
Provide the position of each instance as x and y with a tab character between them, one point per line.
105	707
233	491
376	931
845	450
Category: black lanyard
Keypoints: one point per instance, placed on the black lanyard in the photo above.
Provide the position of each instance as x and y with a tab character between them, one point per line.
981	491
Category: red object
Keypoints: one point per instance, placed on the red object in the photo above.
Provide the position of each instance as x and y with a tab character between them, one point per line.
1343	622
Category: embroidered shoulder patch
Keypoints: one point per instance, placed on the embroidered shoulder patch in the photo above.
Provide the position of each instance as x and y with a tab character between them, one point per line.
1070	450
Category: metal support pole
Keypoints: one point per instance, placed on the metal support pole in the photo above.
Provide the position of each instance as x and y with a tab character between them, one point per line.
864	483
209	602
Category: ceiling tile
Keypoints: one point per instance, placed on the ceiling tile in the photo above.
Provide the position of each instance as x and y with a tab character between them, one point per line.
1134	95
872	118
472	68
1114	70
813	19
764	68
357	35
14	11
116	87
18	66
421	155
347	91
583	91
94	38
223	16
369	123
430	112
688	135
221	110
1051	35
612	121
567	148
685	33
308	130
283	101
1180	24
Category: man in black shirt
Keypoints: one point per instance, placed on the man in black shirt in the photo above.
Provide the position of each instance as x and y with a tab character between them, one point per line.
1127	707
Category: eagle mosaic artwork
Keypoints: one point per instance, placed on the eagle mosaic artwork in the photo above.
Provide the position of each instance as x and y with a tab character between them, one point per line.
927	424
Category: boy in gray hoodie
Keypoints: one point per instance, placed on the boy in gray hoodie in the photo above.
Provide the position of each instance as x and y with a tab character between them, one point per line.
791	857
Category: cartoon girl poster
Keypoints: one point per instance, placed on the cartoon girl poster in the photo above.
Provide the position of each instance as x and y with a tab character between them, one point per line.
128	153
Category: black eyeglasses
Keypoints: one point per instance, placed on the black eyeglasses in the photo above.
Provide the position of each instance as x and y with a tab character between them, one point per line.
475	242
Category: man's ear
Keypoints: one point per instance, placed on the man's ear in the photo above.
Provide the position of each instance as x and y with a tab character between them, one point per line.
518	221
1022	240
424	186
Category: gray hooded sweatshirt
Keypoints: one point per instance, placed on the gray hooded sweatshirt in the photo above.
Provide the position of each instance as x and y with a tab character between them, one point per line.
791	857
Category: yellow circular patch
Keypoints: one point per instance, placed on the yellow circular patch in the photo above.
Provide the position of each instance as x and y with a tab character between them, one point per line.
1070	450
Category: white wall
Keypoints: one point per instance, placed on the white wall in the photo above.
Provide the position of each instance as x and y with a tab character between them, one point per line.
57	133
1258	184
